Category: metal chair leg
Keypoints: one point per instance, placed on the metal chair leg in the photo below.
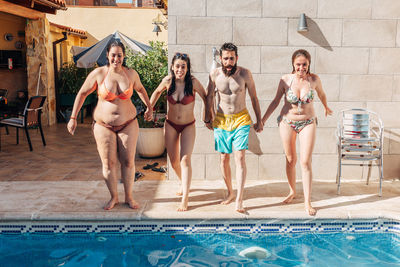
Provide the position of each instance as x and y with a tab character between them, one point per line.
339	170
17	135
29	139
381	176
41	133
369	172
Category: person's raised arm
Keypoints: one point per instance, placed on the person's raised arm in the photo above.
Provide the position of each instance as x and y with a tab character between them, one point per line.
274	104
87	88
322	95
209	109
159	90
138	86
251	87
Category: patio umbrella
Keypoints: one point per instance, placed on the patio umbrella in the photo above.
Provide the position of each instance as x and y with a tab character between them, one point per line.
97	53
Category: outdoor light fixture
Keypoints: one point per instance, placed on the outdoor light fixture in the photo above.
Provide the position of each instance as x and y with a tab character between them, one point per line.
156	28
157	22
302	27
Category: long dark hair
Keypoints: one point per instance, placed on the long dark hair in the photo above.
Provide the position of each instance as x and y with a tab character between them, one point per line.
188	77
304	53
118	44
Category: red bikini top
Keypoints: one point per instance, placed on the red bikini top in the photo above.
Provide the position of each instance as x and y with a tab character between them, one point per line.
187	99
104	93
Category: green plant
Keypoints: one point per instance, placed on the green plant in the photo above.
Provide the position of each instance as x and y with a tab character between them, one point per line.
71	78
152	67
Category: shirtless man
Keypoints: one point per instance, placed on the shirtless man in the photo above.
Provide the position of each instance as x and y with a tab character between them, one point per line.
231	124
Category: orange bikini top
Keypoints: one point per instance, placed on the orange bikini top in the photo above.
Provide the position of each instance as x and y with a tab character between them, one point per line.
104	93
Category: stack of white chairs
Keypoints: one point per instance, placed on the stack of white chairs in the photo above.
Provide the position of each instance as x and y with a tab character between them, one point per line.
359	142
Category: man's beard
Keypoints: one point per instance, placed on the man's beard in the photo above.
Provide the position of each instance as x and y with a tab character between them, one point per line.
229	72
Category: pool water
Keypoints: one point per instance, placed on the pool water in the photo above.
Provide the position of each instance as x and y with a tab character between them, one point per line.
199	249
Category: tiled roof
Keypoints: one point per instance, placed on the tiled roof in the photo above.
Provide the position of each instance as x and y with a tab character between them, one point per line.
61	3
69	29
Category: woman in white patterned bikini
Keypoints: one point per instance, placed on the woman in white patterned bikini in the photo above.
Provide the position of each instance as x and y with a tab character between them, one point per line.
297	117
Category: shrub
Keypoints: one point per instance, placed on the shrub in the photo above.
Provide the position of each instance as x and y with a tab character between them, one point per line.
152	67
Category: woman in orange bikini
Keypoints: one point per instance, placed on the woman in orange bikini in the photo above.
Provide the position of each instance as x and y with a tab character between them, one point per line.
115	126
297	117
179	129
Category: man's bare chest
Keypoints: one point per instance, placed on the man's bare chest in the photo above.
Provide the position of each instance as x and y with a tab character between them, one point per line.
230	85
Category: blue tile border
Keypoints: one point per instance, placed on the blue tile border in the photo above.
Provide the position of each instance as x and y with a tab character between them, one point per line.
193	226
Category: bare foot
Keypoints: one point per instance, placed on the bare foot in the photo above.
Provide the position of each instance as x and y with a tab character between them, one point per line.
239	208
289	198
132	203
228	200
111	204
310	210
183	206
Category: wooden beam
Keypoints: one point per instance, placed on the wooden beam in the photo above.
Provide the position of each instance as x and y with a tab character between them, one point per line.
21	11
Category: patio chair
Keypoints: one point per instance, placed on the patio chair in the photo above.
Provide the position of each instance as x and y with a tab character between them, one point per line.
359	139
3	92
3	105
31	118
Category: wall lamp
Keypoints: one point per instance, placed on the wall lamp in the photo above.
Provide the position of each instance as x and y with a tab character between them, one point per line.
157	22
302	27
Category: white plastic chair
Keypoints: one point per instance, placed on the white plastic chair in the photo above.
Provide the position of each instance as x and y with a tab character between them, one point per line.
360	139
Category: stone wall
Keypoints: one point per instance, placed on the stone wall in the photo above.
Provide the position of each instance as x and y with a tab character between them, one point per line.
355	49
40	51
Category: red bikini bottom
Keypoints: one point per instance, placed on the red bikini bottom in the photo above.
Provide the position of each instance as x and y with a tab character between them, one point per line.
115	129
179	127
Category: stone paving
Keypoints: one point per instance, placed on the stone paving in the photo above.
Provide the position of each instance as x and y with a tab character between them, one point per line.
62	181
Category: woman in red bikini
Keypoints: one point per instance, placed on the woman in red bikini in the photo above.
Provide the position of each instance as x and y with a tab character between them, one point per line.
115	126
179	129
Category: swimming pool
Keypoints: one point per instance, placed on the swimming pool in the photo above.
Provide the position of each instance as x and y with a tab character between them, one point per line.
200	243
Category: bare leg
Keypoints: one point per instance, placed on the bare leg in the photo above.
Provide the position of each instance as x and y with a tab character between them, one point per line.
226	173
127	139
172	145
241	170
106	141
288	136
188	136
307	141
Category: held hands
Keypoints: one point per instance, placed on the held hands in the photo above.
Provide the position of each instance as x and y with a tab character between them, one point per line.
328	111
209	125
71	126
259	126
148	115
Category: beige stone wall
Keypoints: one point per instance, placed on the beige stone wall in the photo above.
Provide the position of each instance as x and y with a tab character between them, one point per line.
355	49
40	51
99	22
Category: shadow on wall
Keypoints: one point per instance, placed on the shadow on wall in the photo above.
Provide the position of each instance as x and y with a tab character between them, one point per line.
391	169
91	40
254	142
315	35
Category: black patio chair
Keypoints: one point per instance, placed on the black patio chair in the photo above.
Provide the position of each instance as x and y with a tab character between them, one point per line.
3	92
31	118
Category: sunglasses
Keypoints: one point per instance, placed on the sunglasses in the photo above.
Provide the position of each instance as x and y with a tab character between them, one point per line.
181	55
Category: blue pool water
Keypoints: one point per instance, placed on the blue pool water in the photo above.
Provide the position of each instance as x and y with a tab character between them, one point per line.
199	249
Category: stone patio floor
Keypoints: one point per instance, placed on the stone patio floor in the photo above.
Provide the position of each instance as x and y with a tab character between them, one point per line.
62	181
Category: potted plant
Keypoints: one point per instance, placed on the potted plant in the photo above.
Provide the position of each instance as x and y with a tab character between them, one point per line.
152	67
70	80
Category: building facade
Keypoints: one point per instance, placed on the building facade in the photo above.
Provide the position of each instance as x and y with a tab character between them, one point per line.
355	49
